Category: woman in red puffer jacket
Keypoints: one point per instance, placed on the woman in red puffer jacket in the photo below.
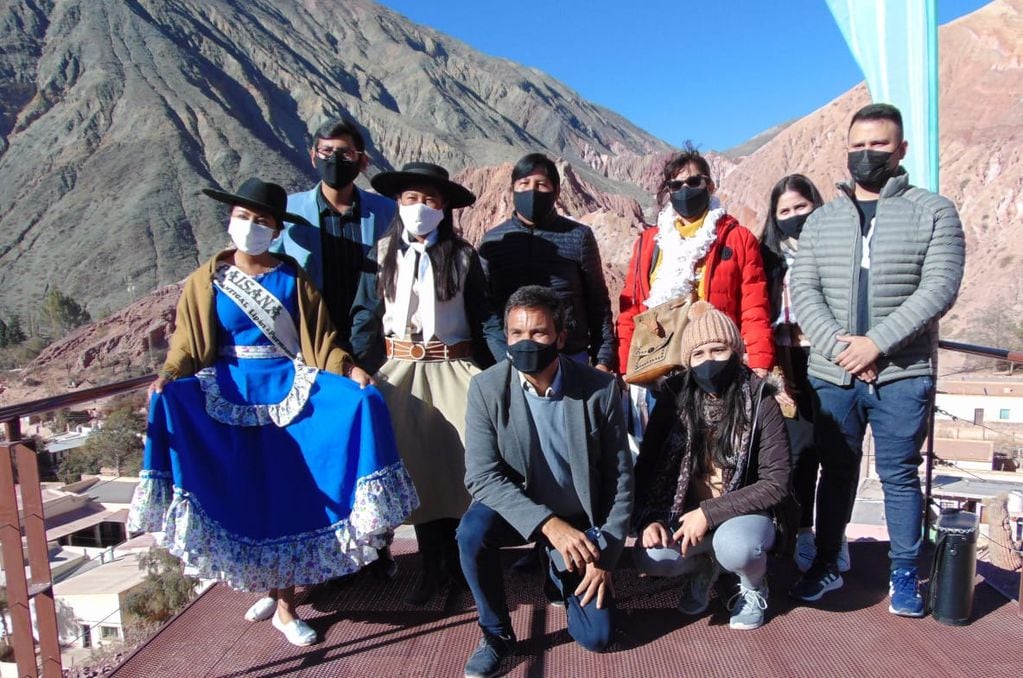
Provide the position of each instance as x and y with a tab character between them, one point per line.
696	248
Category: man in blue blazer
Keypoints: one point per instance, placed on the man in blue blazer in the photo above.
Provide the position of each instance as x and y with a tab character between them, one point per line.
344	221
547	459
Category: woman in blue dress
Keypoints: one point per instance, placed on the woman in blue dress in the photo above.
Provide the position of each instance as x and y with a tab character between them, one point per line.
264	466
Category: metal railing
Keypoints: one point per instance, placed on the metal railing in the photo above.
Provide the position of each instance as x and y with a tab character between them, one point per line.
969	349
37	588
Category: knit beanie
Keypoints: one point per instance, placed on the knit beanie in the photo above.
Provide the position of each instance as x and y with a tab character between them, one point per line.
707	324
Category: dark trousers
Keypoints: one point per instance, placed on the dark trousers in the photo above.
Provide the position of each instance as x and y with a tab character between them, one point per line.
805	460
897	412
481	535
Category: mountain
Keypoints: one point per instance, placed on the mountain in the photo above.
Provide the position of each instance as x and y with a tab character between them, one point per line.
750	146
981	162
114	114
981	137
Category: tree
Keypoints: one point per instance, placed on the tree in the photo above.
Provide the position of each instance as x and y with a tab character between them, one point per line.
11	333
62	312
62	420
119	443
79	461
164	591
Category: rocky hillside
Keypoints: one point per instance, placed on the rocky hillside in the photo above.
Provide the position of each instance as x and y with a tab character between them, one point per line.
113	115
981	159
249	107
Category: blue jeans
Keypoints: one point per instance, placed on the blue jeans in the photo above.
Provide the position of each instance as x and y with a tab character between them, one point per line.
897	412
481	535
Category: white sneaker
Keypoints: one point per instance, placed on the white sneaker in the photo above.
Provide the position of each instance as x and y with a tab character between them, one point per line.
262	609
844	563
296	631
806	551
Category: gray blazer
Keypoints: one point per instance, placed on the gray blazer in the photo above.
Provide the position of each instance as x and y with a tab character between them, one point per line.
497	439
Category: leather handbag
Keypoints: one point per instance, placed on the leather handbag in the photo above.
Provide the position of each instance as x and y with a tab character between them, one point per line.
656	347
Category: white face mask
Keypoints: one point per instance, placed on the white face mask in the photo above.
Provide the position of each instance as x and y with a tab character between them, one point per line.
250	237
420	219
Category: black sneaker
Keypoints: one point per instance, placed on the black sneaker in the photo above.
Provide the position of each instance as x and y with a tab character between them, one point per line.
817	581
485	661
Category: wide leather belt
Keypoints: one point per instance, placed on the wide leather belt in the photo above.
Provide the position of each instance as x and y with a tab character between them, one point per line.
256	351
426	351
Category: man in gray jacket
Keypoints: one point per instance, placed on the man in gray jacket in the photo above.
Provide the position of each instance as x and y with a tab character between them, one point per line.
546	459
877	267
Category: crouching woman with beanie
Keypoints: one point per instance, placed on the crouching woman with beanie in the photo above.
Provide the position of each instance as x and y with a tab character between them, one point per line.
713	465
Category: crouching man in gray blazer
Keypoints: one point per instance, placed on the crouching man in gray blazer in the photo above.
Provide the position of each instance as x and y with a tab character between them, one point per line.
546	458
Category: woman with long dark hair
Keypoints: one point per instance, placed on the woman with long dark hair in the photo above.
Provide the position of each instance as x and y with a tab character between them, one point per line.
425	321
713	465
793	199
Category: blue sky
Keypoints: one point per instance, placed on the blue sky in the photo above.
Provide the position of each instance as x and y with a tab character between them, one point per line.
716	72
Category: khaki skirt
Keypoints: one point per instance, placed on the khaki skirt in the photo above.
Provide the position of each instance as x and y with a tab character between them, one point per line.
427	401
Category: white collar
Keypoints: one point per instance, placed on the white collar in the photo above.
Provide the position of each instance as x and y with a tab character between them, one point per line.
554	391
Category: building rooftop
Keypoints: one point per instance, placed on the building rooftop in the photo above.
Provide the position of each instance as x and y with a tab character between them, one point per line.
1005	388
66	441
111	577
973	487
81	518
112	490
368	631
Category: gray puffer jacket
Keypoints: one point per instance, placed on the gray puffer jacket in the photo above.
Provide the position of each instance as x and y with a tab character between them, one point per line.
917	254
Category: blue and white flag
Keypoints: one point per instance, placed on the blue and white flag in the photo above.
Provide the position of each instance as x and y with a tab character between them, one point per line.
895	43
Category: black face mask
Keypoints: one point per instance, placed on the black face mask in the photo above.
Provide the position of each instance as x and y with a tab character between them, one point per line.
870	168
715	376
690	202
336	172
793	226
532	357
534	206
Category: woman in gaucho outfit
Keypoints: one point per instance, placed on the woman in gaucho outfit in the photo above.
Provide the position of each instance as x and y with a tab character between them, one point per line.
425	319
264	465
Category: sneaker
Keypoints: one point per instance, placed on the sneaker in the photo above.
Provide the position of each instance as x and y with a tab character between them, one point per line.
696	586
817	581
262	609
748	607
296	631
844	563
806	550
485	661
904	590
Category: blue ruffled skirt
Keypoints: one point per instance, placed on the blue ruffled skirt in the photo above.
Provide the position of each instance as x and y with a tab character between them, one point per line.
266	474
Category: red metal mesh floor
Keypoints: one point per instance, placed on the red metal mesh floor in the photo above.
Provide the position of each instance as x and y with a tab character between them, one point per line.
368	631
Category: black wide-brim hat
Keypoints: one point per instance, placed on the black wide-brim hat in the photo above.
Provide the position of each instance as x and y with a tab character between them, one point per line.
259	195
419	173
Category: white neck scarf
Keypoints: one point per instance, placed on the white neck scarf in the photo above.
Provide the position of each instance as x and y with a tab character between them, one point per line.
416	279
676	276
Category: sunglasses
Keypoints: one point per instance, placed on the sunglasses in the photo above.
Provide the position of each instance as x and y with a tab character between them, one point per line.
695	181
